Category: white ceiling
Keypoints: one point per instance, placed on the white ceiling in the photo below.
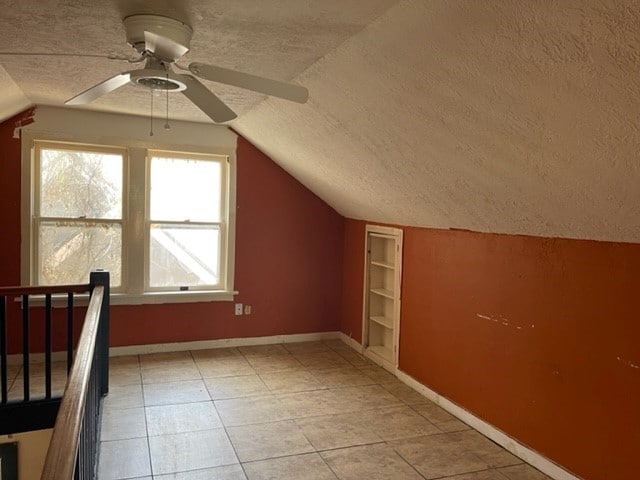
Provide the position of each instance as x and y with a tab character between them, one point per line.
511	116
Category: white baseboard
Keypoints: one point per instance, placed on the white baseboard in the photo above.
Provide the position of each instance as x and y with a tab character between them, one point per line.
221	343
16	359
508	443
351	342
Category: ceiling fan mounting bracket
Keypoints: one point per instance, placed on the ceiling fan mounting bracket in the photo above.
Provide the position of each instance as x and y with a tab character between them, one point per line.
174	30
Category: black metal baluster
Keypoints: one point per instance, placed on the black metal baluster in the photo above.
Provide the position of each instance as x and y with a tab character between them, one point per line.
47	345
25	345
3	348
76	472
69	331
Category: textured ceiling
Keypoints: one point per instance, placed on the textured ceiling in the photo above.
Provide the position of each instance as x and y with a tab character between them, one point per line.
503	116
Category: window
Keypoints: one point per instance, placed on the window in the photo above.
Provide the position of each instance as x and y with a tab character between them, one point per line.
185	224
78	214
157	220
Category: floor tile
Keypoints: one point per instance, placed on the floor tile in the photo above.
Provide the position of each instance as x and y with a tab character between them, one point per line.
185	417
274	363
231	366
268	440
371	462
249	410
326	359
120	376
483	475
440	417
438	455
151	360
366	396
306	347
124	459
394	423
215	354
291	381
336	344
378	374
355	358
364	422
37	369
124	361
234	387
491	453
175	392
342	377
37	387
308	467
522	472
311	404
227	472
336	431
171	373
262	350
126	396
404	393
120	424
190	451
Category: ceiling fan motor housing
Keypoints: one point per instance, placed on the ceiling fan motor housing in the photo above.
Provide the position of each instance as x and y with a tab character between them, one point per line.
176	31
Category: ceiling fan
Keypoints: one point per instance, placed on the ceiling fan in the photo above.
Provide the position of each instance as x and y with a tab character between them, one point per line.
160	42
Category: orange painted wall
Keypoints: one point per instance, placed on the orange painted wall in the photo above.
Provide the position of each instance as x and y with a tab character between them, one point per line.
288	259
552	365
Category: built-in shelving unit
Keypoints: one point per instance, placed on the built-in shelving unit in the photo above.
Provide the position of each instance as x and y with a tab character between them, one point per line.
382	294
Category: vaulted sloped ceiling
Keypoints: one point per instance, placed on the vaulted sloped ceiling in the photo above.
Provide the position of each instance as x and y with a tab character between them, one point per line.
511	116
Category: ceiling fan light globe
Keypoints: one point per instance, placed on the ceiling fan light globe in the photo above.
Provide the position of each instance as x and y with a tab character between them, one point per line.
157	80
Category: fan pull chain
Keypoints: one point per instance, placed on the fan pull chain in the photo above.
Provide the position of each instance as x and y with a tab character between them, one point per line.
151	115
166	123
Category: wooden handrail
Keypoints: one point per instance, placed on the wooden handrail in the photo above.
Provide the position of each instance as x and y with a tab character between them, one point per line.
61	457
44	289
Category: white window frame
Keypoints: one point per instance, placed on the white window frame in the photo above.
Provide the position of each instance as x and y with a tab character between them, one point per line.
134	217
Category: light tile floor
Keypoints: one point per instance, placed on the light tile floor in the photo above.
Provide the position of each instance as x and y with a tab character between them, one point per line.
302	411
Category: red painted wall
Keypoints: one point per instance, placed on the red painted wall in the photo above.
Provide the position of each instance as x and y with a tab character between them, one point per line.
288	267
288	259
538	336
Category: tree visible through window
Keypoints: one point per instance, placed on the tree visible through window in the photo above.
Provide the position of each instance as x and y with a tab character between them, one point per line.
78	215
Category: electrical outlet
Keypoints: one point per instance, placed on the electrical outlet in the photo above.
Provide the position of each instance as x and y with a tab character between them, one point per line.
238	309
247	309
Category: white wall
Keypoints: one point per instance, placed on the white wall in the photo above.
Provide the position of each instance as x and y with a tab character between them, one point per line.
32	450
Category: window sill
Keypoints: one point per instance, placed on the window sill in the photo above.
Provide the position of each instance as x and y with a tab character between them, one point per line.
153	298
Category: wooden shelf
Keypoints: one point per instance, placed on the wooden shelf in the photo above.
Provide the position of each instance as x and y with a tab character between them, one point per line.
382	351
383	293
383	267
384	321
382	264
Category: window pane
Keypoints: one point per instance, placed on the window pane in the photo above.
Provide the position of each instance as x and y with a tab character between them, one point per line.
75	184
184	190
184	255
69	252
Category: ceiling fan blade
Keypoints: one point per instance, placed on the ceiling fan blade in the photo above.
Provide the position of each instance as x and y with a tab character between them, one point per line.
206	100
90	94
162	47
275	88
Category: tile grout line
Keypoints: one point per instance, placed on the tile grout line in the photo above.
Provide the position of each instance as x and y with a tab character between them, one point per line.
144	410
215	407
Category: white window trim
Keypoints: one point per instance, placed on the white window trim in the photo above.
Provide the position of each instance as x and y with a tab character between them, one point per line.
136	157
